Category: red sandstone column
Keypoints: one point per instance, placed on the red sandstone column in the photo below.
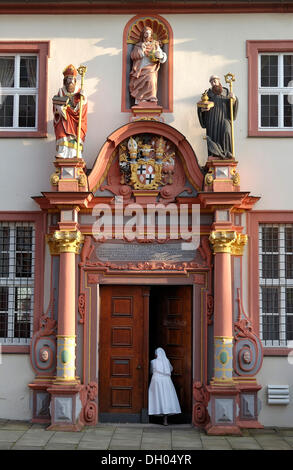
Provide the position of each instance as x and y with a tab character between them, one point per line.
223	320
68	242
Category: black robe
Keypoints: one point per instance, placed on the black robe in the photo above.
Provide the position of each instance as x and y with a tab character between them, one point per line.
217	122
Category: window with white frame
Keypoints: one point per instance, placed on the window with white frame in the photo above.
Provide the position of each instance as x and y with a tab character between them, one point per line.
276	284
17	266
18	91
275	91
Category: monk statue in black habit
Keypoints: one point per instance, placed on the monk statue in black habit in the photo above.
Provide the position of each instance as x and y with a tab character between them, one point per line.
214	113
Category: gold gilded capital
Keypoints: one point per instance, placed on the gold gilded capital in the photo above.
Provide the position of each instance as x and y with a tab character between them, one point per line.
65	241
222	240
237	249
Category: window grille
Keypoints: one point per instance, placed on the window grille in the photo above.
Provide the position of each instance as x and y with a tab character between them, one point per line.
276	283
17	266
275	91
18	91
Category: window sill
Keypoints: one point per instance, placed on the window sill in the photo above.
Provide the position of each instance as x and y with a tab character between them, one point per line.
257	133
273	351
29	134
14	349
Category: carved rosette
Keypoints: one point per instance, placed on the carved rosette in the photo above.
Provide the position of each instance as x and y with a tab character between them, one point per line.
222	240
248	351
201	399
65	241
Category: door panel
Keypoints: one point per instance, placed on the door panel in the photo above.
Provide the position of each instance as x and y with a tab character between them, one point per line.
122	353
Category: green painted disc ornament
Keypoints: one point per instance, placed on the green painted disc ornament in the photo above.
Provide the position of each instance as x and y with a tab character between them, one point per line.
223	357
65	356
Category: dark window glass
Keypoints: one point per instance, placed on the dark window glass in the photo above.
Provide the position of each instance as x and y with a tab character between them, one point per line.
270	239
289	327
270	266
3	299
6	111
288	69
270	327
6	72
24	238
289	238
23	265
270	299
27	111
269	110
28	72
288	111
4	238
289	266
269	71
23	301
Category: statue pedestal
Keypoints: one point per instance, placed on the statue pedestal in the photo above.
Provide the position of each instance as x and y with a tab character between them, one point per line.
221	176
146	111
69	175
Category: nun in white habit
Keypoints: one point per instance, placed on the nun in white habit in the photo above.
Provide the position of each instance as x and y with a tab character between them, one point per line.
162	394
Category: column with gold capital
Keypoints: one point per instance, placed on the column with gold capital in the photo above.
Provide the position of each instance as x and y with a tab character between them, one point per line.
222	242
68	245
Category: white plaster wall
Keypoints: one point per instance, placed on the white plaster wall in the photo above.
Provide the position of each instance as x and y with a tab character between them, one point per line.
276	371
203	44
15	397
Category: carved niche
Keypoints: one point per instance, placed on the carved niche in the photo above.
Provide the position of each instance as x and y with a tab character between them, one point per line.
162	33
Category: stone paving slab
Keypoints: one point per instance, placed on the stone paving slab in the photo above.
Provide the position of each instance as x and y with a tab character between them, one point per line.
18	435
243	443
10	436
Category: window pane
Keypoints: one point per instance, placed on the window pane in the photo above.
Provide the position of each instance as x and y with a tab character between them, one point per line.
23	309
4	238
289	239
28	72
24	238
270	299
6	110
27	111
3	299
270	239
23	265
4	264
288	111
269	70
289	328
6	72
288	69
269	110
289	300
270	327
289	266
270	267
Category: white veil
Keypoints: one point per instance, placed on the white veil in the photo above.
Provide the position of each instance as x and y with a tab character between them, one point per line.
162	363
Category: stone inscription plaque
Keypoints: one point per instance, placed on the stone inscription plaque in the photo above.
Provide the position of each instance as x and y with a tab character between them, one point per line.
144	252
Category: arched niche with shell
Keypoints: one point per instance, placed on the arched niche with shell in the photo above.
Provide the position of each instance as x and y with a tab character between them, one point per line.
162	32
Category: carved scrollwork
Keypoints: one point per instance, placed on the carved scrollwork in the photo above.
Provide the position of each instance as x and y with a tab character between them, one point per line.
88	398
248	351
201	399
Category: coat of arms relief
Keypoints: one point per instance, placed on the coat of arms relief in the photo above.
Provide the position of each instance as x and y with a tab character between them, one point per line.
146	162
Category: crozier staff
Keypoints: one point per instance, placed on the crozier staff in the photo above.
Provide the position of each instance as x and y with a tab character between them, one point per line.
217	119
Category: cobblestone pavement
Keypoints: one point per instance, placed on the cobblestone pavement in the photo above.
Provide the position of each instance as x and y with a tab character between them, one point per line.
20	435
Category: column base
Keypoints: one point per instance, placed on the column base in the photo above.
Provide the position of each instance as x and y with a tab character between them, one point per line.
41	401
223	410
65	407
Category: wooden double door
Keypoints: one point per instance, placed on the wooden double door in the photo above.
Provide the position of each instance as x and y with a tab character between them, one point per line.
134	321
